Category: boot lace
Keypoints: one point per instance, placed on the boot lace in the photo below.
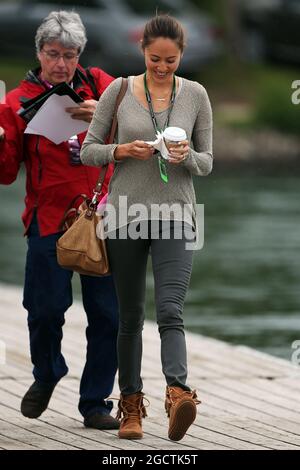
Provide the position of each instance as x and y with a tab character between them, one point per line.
173	395
129	410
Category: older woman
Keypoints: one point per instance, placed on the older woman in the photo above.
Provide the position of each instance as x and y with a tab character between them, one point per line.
54	176
154	100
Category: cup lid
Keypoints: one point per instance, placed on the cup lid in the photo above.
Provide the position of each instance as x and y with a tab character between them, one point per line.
175	134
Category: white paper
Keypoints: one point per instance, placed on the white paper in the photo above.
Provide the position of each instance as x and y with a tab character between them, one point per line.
29	130
159	144
53	122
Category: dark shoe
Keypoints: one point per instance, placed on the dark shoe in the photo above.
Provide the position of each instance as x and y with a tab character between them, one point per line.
36	399
98	421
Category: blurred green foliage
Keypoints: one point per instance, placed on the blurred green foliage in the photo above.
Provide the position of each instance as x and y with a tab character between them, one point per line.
274	108
265	90
13	70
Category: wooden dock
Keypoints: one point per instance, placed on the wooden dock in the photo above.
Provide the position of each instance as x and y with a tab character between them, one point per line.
249	400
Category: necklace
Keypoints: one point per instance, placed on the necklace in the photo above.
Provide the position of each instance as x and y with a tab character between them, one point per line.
163	98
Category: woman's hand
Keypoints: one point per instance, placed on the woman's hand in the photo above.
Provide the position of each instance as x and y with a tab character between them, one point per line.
137	149
2	133
179	152
84	112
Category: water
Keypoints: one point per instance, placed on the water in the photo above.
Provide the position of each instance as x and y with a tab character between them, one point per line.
245	283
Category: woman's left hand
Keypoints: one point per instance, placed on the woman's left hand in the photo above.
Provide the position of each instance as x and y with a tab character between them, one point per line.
84	111
179	152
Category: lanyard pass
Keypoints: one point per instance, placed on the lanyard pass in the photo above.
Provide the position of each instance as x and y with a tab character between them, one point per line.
163	170
162	165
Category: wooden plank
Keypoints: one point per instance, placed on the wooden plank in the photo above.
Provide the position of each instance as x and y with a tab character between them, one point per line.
41	431
213	421
33	438
241	409
153	428
153	432
151	441
7	443
222	399
285	405
67	423
292	382
276	387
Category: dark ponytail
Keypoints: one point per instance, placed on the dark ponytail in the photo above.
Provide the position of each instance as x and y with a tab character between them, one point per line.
163	26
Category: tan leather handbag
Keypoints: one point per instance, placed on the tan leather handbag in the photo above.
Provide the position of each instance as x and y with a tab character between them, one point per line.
79	249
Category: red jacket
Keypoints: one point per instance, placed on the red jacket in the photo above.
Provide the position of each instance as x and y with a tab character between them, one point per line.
51	182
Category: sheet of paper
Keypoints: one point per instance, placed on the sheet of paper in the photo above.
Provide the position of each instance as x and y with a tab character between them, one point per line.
29	130
160	145
53	122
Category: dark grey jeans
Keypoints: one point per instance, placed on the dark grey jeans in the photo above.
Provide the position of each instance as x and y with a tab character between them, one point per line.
172	265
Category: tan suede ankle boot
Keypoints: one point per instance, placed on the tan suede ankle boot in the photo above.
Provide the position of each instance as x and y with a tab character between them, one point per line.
133	410
180	406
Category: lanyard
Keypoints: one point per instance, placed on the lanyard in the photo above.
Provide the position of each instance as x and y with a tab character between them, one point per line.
161	162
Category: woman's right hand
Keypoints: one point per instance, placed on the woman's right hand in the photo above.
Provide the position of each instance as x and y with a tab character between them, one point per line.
137	149
2	133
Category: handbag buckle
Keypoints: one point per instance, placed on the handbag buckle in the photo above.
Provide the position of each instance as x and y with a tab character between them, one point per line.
96	195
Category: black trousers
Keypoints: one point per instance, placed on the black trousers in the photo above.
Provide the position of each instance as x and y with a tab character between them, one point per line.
172	265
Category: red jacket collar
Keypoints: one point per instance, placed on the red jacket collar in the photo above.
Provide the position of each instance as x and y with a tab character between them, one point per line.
32	85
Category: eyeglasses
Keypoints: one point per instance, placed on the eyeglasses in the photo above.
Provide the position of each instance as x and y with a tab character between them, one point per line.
54	56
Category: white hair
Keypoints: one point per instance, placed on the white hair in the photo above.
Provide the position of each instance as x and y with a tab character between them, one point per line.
65	27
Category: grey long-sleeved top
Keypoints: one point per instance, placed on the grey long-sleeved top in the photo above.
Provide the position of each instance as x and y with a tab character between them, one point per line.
140	180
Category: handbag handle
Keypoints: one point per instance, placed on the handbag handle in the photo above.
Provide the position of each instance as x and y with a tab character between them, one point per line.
101	178
71	209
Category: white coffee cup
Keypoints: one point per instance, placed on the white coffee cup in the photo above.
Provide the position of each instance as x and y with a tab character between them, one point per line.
173	136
